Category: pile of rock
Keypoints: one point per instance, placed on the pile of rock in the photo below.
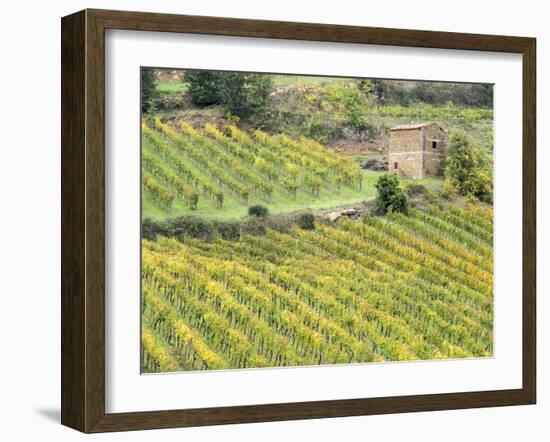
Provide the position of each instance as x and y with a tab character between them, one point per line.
374	164
337	214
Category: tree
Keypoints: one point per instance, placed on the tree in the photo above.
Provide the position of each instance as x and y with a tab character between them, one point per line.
350	103
390	92
258	211
366	86
238	93
380	90
466	170
148	88
405	93
354	102
259	88
203	87
207	88
232	93
390	197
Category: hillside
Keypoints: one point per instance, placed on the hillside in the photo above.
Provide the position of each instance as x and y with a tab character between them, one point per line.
273	234
218	174
403	288
350	115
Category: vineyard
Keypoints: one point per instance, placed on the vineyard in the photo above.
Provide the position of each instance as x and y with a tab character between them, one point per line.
396	288
209	169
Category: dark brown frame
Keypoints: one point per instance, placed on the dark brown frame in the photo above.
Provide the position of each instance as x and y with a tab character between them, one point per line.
83	216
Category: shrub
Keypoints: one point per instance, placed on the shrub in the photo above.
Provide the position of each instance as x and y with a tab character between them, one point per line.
419	194
413	189
390	197
281	223
258	211
465	169
307	221
150	229
192	227
349	102
181	227
256	226
322	129
227	230
447	190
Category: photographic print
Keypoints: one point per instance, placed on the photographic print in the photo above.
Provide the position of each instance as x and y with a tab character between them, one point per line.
294	220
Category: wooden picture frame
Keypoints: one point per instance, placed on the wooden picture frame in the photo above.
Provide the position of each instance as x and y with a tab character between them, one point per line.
83	220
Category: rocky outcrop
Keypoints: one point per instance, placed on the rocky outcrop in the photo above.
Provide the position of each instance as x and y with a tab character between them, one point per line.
337	214
374	164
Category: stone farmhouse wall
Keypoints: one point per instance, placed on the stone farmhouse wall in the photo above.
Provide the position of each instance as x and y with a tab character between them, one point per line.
417	151
434	150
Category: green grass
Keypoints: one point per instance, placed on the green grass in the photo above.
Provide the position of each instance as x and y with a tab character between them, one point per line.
281	203
432	183
306	80
171	88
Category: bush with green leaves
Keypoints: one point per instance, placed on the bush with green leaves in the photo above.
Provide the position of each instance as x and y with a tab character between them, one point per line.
259	88
306	221
148	89
350	101
239	93
190	227
258	210
390	197
232	93
466	169
256	226
203	87
415	189
406	93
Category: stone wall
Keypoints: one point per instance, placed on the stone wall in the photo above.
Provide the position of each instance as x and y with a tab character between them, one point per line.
417	152
406	151
409	140
409	165
433	164
434	145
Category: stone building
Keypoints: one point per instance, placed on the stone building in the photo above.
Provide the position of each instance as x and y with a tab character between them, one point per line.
417	150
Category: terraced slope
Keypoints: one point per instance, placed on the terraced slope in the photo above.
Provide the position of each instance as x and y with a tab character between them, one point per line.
387	289
210	172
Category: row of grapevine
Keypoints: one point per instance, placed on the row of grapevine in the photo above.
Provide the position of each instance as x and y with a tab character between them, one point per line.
243	152
182	189
190	347
154	356
215	161
182	167
268	162
435	112
161	195
221	157
332	162
382	290
378	281
203	160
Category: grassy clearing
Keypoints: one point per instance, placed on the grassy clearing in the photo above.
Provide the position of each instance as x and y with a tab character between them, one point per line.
285	80
171	88
281	203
